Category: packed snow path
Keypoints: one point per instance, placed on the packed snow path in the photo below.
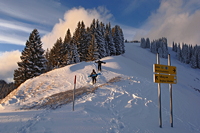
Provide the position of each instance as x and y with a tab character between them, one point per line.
129	105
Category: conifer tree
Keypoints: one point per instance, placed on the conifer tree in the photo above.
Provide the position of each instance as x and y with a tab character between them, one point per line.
74	55
178	54
68	37
100	40
143	43
117	39
109	40
56	54
93	53
83	42
33	61
194	58
122	41
66	49
147	43
48	63
103	31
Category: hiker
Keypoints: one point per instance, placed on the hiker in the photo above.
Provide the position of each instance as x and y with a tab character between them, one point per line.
93	75
99	64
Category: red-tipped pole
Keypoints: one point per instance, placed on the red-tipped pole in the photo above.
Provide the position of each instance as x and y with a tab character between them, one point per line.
74	91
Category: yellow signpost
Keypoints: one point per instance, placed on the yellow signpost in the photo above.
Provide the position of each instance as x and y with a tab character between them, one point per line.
161	78
158	68
164	74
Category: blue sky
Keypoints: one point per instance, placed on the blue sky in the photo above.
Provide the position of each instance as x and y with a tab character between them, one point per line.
19	18
177	20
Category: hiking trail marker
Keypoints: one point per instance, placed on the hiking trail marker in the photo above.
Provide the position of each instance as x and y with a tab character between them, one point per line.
164	74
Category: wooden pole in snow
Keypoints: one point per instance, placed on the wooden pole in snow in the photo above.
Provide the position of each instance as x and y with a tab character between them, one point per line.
74	91
170	92
159	97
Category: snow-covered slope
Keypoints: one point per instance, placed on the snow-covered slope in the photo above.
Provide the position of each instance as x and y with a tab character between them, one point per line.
127	106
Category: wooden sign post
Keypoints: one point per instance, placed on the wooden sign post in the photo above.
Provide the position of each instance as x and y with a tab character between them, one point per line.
164	74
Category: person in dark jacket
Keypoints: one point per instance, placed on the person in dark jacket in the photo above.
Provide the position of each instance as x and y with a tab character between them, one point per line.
99	64
94	76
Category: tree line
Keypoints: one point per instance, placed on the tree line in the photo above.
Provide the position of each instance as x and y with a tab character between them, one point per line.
87	44
156	46
187	54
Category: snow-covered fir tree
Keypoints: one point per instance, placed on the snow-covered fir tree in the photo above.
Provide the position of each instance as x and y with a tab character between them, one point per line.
92	53
122	41
68	37
159	46
185	54
103	31
178	54
109	40
153	47
56	54
33	61
117	39
164	47
66	49
100	40
194	58
74	55
142	43
147	43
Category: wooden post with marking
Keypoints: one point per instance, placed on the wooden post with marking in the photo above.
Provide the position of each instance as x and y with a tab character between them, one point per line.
159	96
170	92
74	92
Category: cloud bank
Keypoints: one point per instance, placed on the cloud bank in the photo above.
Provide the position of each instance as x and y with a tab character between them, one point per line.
177	20
70	21
8	63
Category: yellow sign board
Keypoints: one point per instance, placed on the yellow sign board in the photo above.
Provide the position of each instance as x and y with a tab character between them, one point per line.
169	79
158	68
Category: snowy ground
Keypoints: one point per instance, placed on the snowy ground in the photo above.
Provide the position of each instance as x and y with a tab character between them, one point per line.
127	106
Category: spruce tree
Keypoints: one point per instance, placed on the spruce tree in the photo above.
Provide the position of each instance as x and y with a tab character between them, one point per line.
100	40
109	40
56	54
117	39
67	38
92	53
74	55
143	43
178	54
147	43
66	49
103	31
33	61
122	41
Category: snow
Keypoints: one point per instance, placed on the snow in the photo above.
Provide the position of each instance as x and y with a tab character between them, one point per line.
126	106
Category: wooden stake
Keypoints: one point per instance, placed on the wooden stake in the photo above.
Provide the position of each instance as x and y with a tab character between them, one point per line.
170	92
159	96
74	92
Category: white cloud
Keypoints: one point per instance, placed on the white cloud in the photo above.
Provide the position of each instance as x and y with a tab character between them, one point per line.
12	39
13	32
39	11
70	21
8	63
177	20
18	26
19	18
